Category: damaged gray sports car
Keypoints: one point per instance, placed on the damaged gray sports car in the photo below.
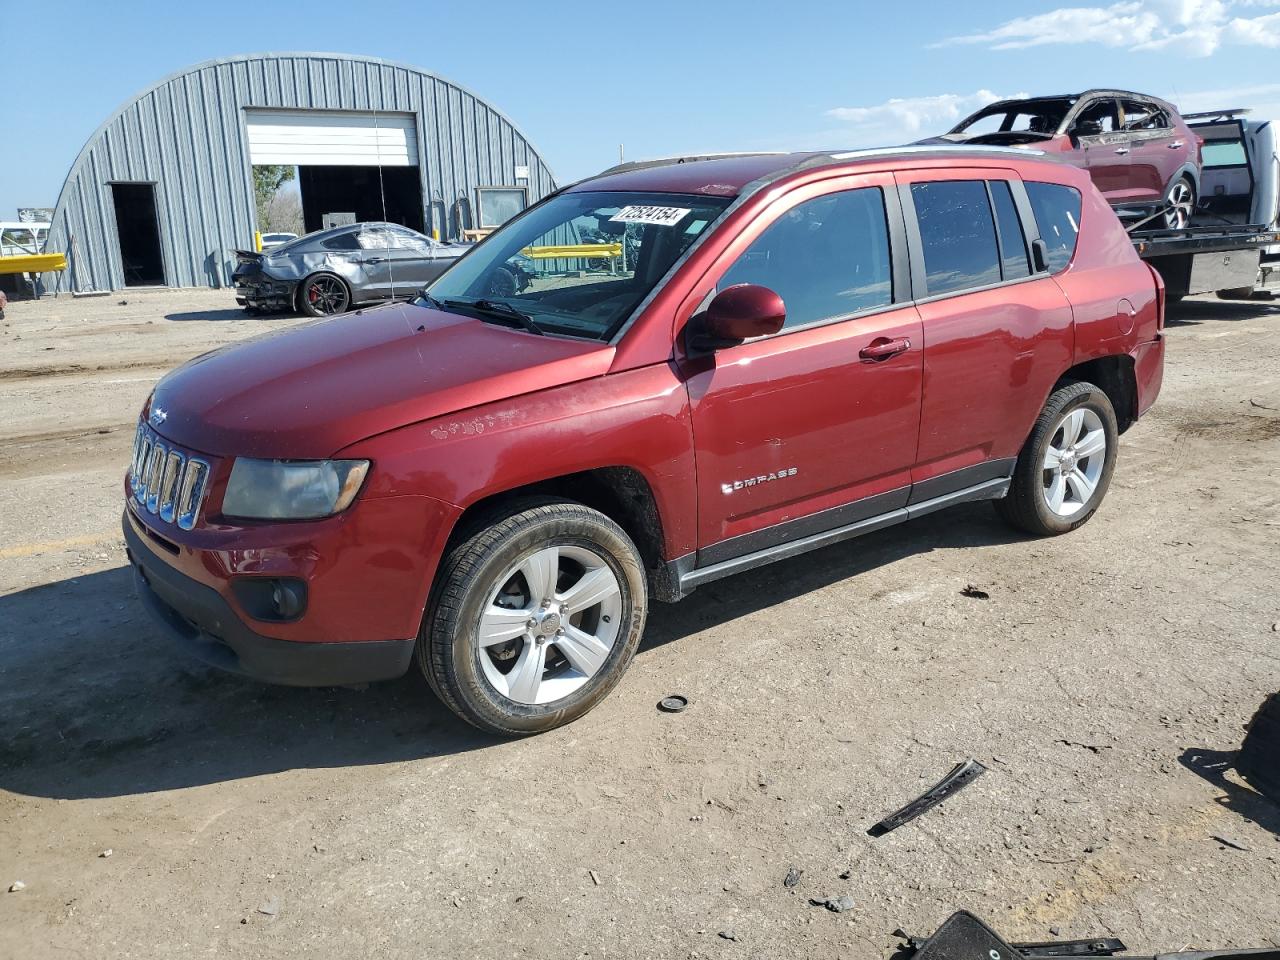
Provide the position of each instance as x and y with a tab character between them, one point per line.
331	271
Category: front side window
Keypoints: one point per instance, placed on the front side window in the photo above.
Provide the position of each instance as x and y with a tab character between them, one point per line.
580	263
1096	119
958	235
1057	211
827	258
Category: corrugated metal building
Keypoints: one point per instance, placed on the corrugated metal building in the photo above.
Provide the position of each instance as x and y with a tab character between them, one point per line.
163	190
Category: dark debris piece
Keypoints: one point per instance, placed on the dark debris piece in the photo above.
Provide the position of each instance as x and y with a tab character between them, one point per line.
961	775
792	878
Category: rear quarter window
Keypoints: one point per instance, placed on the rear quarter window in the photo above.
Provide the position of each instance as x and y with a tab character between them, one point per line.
1057	211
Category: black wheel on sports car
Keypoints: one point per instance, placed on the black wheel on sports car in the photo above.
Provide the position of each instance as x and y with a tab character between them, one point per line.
535	617
323	295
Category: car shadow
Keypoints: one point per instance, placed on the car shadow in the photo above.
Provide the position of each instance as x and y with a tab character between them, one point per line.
230	313
94	702
1192	312
1212	765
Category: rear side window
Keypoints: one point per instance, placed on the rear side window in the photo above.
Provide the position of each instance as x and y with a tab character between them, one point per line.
343	241
827	257
958	235
1057	211
1223	153
1013	246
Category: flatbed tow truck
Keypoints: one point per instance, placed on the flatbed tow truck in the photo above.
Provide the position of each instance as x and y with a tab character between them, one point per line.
1231	246
1205	259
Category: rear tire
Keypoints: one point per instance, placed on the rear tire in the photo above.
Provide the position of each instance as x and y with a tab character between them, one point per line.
323	295
1065	466
536	617
1180	203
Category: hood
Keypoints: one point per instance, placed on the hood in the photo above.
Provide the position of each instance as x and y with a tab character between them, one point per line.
307	392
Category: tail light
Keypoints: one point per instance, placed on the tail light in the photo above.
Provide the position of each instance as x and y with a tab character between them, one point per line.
1155	275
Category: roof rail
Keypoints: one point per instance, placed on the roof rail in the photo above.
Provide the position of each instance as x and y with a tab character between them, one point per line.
964	149
1215	114
688	158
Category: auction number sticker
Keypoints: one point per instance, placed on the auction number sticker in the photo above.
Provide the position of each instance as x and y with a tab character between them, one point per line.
662	216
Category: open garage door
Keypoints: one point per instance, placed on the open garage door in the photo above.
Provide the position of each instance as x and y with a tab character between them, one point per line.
351	165
325	138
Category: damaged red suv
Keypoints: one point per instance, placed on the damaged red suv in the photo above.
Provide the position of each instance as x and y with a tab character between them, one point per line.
771	354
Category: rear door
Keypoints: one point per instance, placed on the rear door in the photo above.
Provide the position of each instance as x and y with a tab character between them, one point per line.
803	431
996	335
1157	151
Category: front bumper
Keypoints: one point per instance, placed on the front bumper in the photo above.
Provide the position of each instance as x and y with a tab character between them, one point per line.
202	622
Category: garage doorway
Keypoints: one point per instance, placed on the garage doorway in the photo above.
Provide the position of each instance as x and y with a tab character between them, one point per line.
393	194
138	231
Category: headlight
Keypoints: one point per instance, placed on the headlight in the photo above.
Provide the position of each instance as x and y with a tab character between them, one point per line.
292	489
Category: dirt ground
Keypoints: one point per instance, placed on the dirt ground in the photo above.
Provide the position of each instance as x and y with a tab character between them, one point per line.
1105	683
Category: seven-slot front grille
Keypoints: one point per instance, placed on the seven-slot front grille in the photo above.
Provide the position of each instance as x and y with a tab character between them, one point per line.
165	480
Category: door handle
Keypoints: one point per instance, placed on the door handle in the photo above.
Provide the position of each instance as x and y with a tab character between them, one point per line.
376	260
1176	145
882	348
1122	149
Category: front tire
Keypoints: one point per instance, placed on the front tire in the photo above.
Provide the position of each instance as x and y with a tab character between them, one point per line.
1065	467
536	617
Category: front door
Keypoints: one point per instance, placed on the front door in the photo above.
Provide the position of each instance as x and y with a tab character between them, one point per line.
1106	147
806	430
397	262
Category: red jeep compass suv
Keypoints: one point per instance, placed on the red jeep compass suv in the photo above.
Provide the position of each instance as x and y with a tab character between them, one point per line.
772	354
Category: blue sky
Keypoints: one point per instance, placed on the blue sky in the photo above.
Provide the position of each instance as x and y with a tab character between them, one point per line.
660	76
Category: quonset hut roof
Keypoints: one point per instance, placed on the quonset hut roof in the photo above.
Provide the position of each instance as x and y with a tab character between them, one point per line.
187	135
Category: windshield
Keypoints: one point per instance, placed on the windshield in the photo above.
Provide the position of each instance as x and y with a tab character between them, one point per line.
580	263
1029	116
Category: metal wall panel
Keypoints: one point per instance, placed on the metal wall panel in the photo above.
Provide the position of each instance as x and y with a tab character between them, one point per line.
188	136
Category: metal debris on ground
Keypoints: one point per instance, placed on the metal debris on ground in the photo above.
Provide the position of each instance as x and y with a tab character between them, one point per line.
841	904
1228	842
16	886
792	878
964	935
961	775
270	908
106	853
673	704
977	593
728	935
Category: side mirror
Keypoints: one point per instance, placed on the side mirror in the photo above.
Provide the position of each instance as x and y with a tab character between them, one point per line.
738	313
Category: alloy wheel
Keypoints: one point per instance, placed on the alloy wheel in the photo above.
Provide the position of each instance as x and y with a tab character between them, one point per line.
327	295
1180	201
1074	461
550	624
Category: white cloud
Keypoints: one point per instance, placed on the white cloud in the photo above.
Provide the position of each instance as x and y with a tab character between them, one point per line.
903	119
1194	28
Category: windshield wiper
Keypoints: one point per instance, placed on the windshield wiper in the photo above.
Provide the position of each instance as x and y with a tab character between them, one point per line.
497	308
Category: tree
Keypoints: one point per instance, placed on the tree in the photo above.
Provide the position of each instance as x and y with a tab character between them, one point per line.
267	179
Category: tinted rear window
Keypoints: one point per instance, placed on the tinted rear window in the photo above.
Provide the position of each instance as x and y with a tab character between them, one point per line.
958	235
1057	211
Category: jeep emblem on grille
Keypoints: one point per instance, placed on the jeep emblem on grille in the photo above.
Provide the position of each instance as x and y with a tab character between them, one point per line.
159	415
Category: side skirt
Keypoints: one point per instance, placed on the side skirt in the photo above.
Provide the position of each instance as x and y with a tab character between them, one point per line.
690	577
